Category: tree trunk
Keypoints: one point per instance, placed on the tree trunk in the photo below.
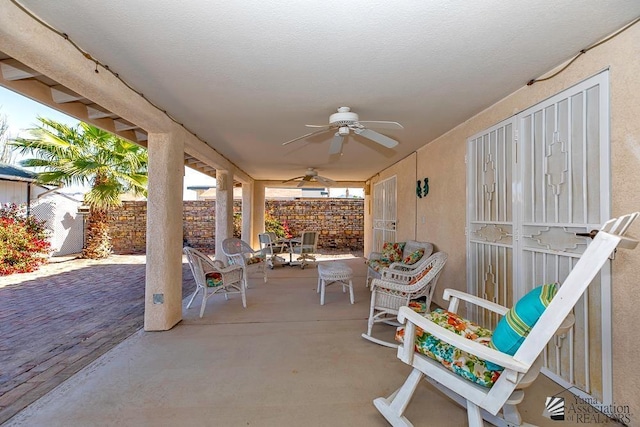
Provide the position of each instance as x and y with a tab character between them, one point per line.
98	242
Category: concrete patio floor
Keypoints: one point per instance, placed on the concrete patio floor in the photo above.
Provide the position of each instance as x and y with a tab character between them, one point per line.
283	361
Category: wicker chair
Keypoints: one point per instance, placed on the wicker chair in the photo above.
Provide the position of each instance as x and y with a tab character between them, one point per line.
240	253
376	264
397	288
213	277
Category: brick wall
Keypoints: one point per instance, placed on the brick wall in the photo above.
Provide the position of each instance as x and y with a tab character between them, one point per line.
339	221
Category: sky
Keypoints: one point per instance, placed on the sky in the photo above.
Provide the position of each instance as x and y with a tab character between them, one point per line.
21	113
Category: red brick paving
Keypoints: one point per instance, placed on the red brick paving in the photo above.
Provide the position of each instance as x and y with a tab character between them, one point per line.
57	320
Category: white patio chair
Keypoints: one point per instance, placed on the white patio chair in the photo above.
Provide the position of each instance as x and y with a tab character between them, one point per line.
240	253
271	249
399	288
497	402
307	246
213	277
376	261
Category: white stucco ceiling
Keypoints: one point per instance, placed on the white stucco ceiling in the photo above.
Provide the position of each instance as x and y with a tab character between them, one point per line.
248	75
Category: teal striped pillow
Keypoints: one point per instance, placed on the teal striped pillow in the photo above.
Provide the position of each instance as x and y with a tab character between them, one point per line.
514	327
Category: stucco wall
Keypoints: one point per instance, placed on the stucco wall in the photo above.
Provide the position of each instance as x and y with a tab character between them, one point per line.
444	209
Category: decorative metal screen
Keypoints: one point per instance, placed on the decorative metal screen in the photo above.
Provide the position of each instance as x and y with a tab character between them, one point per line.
534	181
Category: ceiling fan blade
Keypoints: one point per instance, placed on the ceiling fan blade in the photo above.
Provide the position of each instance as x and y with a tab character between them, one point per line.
324	180
336	144
377	137
304	136
301	183
382	124
318	126
293	179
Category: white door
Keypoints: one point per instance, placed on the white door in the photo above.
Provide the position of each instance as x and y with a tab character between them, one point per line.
559	187
384	212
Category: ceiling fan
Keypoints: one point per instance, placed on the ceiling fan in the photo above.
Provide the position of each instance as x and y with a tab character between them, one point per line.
345	121
309	176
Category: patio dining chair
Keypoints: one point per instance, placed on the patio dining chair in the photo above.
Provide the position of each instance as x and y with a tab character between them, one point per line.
486	371
240	253
398	288
306	247
213	277
272	249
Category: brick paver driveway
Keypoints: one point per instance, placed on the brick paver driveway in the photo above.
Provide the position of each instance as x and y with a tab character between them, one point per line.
57	320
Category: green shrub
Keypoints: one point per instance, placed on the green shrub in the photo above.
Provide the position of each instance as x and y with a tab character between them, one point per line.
23	241
271	224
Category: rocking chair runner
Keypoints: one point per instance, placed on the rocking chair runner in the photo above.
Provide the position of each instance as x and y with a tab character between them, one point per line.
520	369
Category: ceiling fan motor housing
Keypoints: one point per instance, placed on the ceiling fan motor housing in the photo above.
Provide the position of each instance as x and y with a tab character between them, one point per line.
344	117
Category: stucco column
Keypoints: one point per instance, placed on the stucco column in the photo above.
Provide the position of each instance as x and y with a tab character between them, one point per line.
247	213
224	210
258	211
163	289
368	219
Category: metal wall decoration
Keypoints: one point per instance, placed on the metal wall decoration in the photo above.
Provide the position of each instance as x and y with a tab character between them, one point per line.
422	189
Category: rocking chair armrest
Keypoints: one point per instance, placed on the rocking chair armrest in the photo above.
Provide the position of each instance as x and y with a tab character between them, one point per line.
396	285
401	266
396	275
455	296
482	351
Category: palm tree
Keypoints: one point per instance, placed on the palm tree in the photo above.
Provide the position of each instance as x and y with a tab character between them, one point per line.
86	155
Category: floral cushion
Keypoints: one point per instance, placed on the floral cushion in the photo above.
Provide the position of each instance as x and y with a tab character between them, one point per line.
254	260
392	252
420	275
378	264
462	363
213	279
418	306
414	256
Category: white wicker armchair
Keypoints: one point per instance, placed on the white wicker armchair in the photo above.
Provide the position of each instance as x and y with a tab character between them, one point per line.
376	264
240	253
212	277
397	288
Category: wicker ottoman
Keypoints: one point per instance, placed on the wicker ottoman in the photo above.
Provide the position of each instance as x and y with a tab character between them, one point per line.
334	272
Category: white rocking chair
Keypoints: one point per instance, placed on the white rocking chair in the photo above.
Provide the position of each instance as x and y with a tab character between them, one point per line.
520	369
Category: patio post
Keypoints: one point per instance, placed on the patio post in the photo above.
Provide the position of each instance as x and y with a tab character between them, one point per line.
247	213
163	289
258	209
224	210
